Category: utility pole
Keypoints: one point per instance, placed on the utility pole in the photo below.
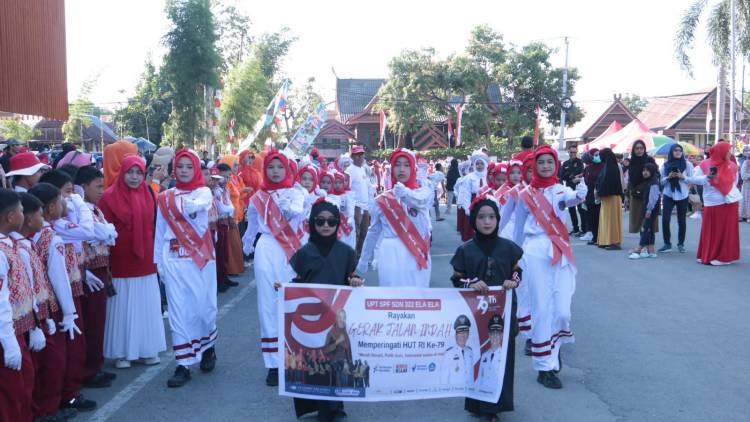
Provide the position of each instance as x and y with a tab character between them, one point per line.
561	140
732	96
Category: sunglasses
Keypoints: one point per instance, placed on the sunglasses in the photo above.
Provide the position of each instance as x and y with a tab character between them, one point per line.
330	222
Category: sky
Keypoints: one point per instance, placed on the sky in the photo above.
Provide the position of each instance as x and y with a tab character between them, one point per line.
617	46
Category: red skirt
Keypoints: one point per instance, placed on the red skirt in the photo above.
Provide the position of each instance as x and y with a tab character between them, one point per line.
720	234
466	231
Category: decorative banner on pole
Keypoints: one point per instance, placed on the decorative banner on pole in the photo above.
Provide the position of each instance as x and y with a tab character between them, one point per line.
377	344
303	139
709	117
536	128
277	104
450	128
459	112
382	128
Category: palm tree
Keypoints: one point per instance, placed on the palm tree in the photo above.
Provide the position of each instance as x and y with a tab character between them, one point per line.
718	29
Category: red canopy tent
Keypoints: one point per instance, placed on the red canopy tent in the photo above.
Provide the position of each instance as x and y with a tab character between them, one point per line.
623	139
614	127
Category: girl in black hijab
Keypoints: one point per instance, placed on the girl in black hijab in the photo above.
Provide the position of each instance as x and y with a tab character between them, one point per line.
325	260
609	192
638	160
450	183
483	261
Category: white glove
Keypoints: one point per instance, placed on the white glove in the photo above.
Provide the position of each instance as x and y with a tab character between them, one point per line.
93	282
12	353
247	248
51	327
37	341
189	206
69	326
77	200
320	192
283	203
400	190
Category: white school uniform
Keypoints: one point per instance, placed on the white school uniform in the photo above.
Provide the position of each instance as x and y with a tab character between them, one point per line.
271	265
346	205
396	265
551	287
310	199
523	300
56	271
191	292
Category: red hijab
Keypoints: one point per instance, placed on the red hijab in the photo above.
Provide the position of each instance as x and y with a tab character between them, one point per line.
726	169
344	183
538	181
123	200
528	162
395	155
328	175
288	179
511	165
312	171
197	181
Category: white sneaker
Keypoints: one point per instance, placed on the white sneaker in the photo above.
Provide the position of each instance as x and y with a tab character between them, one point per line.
719	263
587	237
652	255
149	361
696	216
635	255
165	314
644	254
122	364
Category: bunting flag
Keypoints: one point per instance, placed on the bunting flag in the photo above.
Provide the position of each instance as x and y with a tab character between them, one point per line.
382	128
536	128
459	112
709	117
450	128
303	139
278	104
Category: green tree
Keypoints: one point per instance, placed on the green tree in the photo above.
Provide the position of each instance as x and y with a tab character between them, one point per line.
190	67
271	49
247	93
78	111
234	39
17	130
634	102
301	103
148	110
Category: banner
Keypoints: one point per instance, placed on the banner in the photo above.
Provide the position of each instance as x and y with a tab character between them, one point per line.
377	344
277	105
303	139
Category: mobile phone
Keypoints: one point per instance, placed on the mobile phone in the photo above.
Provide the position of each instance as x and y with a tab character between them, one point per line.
714	170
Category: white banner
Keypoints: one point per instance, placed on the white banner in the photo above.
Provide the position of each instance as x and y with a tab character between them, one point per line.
376	344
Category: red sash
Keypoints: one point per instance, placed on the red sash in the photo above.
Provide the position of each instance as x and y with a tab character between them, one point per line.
500	194
344	226
484	190
279	226
546	217
201	250
405	228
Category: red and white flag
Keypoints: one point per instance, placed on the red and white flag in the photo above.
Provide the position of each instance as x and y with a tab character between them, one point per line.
459	112
709	117
536	128
450	128
382	128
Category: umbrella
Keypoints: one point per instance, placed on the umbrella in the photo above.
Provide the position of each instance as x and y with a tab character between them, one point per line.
663	149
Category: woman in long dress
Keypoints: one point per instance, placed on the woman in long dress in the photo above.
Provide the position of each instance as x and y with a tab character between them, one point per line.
491	261
134	328
609	192
745	177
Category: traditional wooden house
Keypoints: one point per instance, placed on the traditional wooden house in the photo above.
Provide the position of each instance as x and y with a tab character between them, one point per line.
683	117
95	135
616	112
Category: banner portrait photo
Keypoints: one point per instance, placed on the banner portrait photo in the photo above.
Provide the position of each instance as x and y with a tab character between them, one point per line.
379	344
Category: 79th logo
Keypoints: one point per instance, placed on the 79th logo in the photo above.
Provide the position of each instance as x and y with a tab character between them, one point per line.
485	302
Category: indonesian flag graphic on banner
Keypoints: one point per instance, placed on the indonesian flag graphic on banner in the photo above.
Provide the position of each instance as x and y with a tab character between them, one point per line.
459	112
382	128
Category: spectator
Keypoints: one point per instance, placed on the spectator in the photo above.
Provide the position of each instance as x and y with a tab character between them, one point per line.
609	192
638	159
450	183
569	170
652	195
674	176
437	178
591	173
12	147
745	176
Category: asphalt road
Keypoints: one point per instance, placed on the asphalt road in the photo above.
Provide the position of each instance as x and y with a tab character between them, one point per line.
662	339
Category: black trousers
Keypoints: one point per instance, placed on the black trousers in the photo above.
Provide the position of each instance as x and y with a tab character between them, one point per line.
682	206
574	218
592	217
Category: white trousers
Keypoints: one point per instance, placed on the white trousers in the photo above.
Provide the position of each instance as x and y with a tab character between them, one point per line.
270	266
551	289
397	266
191	296
523	301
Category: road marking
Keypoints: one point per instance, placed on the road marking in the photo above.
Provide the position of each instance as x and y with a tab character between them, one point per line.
123	397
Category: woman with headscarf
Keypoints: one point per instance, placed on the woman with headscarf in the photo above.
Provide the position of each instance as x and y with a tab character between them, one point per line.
594	166
341	196
401	227
308	178
113	156
549	265
745	177
463	197
720	234
674	176
450	183
609	193
325	260
184	253
274	212
134	327
638	159
488	260
236	186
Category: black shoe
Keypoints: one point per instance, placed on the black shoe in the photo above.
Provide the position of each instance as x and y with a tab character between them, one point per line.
181	377
527	348
573	233
208	360
97	381
549	380
272	379
80	404
579	234
110	376
230	282
222	287
613	247
65	414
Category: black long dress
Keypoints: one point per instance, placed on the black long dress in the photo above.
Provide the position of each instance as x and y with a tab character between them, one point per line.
312	266
493	267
